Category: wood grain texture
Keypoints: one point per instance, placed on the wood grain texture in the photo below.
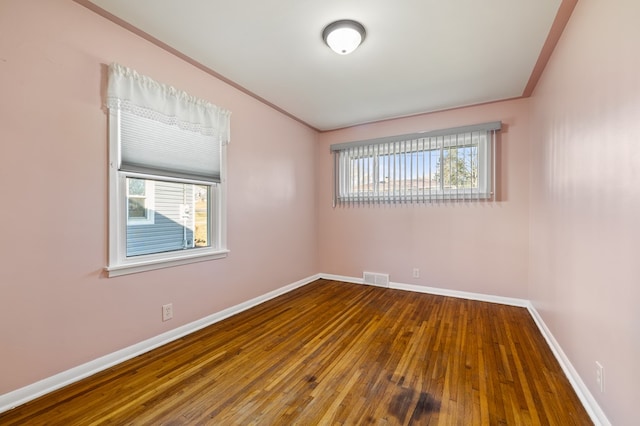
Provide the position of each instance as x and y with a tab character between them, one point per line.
333	353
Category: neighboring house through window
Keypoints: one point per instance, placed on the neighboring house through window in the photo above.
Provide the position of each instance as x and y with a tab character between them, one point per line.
140	202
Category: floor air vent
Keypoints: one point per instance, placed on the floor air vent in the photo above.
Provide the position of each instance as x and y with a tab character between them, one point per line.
380	280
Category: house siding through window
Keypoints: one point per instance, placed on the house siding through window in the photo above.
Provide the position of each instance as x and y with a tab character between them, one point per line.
174	224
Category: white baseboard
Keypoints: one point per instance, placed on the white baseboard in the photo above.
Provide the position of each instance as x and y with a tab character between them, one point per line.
342	278
437	291
590	404
30	392
462	294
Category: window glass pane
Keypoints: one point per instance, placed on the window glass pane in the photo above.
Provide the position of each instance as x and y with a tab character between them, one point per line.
137	208
202	216
458	167
180	215
446	167
136	186
140	201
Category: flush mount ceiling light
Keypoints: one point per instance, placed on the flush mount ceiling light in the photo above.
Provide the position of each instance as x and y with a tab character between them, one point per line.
343	37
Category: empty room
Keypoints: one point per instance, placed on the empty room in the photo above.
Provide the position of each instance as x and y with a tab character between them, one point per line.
302	212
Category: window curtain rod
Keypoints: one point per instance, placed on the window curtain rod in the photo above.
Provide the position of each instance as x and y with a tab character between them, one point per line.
491	126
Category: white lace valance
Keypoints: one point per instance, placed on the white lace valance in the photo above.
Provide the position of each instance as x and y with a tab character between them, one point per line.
144	97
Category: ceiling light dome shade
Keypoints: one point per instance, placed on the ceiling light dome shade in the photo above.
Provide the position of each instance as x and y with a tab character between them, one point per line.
343	37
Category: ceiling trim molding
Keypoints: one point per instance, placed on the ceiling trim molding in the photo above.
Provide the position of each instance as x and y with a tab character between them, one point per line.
118	21
425	113
562	17
559	23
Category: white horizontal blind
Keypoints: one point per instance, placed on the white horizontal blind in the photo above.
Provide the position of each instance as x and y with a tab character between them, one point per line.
149	146
453	164
164	131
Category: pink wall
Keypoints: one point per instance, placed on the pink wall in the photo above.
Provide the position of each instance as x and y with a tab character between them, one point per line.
475	247
563	234
585	199
58	309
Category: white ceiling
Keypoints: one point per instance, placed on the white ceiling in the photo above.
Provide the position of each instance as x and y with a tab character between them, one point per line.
418	56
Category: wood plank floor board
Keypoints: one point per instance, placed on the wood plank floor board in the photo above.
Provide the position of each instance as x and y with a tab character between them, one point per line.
333	353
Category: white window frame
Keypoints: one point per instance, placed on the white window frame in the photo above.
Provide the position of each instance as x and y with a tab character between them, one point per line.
367	189
119	263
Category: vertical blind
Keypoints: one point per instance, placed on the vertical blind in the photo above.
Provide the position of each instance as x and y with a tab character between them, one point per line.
449	164
165	131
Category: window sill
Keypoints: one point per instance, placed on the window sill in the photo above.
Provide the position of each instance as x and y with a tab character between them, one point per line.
165	262
415	198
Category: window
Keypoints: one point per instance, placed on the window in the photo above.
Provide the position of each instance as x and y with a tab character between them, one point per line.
453	164
180	220
167	185
140	202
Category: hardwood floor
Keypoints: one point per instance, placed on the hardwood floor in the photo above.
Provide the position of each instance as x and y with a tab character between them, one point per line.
333	353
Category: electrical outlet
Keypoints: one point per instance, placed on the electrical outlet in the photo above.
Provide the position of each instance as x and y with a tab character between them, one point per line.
600	376
167	312
416	273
